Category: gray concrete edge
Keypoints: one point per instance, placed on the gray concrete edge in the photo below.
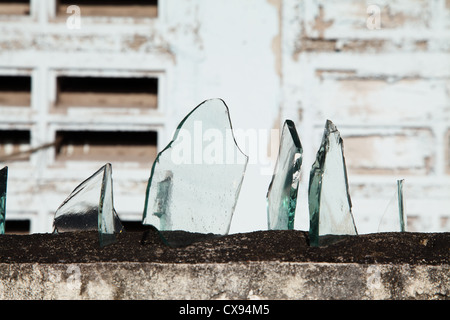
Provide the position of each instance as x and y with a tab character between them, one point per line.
242	280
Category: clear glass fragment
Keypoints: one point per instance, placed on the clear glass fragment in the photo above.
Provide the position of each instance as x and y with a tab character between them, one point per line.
394	216
283	188
401	206
330	207
3	185
196	179
90	207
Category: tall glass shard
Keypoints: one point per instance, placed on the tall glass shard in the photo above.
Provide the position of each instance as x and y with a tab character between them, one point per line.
330	207
401	206
90	207
196	179
394	217
3	184
283	188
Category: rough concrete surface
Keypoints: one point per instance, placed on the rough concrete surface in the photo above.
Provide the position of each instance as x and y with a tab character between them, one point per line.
238	280
258	265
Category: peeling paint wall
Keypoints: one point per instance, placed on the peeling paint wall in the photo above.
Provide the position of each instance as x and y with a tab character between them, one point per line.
195	49
386	89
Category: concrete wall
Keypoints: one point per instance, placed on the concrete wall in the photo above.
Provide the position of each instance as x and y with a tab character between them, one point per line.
209	281
386	89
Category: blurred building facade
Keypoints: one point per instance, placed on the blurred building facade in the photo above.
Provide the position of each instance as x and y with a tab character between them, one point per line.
110	83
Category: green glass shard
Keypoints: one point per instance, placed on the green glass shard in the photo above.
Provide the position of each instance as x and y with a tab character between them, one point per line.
3	184
401	206
196	179
283	188
328	196
394	217
90	207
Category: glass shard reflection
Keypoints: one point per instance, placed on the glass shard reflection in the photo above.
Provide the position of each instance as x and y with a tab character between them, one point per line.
283	189
90	207
394	217
329	199
3	184
196	179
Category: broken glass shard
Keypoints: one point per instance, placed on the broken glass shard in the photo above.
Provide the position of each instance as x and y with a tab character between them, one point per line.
394	217
196	179
3	183
401	206
283	189
90	207
330	207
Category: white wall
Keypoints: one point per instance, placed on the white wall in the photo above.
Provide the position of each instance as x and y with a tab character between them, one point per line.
387	91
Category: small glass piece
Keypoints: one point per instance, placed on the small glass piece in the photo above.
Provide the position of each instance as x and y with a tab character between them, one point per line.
283	189
401	206
3	184
90	207
394	217
196	179
329	199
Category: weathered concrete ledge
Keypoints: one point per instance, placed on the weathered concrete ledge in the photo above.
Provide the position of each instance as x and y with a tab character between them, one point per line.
237	280
275	265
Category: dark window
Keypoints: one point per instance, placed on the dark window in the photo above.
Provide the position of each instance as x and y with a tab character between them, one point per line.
15	90
14	144
120	8
108	146
107	92
15	7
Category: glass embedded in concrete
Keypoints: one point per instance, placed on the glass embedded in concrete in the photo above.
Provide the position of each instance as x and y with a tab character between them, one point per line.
401	205
330	206
196	179
3	187
283	188
90	207
394	216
